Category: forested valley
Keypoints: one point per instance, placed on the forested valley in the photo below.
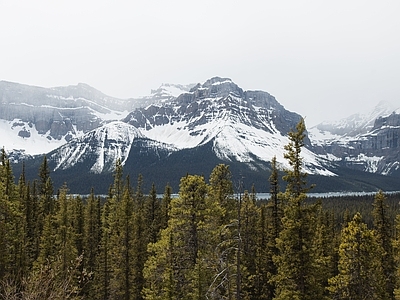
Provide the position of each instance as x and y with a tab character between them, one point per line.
215	240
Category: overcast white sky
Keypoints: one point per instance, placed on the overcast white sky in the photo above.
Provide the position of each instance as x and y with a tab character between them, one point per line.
322	59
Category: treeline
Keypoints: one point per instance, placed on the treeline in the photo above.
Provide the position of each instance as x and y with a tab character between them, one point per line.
208	243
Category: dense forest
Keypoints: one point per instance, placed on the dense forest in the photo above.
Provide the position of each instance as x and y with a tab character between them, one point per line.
215	240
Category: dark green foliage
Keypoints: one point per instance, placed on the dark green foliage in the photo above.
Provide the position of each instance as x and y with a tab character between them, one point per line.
205	244
384	234
360	270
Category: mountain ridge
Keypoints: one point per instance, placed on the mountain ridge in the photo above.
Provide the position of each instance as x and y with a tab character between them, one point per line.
209	123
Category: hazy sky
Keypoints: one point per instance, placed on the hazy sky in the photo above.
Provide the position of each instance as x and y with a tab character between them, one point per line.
322	59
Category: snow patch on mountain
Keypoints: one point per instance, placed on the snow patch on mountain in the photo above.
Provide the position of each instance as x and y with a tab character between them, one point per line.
105	145
18	134
348	128
241	125
371	162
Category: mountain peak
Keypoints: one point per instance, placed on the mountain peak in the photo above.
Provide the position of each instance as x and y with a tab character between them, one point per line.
217	80
217	87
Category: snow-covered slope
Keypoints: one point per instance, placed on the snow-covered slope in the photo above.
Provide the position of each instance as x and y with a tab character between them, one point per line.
244	126
36	120
366	142
99	149
349	128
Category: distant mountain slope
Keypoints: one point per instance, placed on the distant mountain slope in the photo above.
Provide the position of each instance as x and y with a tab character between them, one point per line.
351	126
179	130
366	142
39	120
35	120
244	126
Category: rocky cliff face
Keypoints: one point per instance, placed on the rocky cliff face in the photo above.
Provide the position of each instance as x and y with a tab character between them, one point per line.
242	126
57	113
40	119
374	149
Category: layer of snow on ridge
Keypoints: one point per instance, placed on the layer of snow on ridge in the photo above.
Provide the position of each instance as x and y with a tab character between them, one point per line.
114	133
320	137
114	140
33	145
243	142
172	89
222	82
370	161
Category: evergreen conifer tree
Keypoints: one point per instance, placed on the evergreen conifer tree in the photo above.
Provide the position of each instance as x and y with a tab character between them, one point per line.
175	267
165	207
360	269
383	229
296	269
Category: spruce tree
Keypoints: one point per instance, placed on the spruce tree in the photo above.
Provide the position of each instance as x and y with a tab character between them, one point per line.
152	212
65	233
46	190
396	248
91	241
165	207
383	229
221	190
248	234
296	269
175	267
360	269
121	247
103	270
140	240
273	212
11	233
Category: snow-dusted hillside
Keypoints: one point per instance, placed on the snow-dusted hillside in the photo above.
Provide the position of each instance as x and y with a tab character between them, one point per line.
36	120
244	126
98	149
366	142
350	127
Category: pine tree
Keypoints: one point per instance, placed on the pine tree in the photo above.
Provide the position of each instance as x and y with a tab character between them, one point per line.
165	207
65	234
396	248
383	229
360	270
175	268
91	240
152	212
8	218
103	270
121	244
46	190
295	263
248	234
221	190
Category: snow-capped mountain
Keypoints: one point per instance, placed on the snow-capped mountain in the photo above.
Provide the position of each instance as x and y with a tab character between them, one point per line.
102	146
243	126
366	142
39	120
36	120
350	127
178	130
